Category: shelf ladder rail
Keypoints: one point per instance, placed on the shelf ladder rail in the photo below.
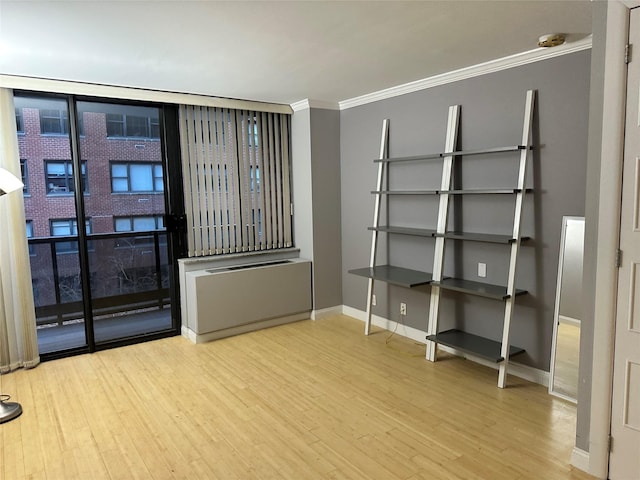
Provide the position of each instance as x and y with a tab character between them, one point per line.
527	138
443	214
384	154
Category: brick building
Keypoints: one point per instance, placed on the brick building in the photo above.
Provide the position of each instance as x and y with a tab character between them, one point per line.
123	191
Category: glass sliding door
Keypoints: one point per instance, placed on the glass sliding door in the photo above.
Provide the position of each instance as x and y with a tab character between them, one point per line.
44	140
128	247
110	282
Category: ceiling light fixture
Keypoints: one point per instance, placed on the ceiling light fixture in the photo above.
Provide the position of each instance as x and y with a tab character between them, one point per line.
551	40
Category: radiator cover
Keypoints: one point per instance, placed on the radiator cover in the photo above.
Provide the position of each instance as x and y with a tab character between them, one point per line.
229	300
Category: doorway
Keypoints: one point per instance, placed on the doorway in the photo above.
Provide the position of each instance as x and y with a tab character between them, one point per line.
97	203
624	461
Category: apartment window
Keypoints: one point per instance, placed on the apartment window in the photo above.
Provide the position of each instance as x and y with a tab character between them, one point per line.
140	223
54	122
30	235
236	179
130	177
59	175
119	125
25	176
19	120
66	227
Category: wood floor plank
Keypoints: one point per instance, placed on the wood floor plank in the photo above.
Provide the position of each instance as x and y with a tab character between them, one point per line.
308	400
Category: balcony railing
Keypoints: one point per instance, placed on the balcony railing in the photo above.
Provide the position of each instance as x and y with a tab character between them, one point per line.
129	271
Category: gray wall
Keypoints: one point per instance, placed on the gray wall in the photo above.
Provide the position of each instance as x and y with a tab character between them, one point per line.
492	115
315	143
302	182
325	154
592	207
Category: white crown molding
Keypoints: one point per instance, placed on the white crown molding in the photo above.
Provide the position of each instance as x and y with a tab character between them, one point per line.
307	103
491	66
300	105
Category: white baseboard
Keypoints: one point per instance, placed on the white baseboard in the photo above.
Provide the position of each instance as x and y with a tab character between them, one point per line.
400	329
580	459
525	372
569	320
189	334
250	327
326	312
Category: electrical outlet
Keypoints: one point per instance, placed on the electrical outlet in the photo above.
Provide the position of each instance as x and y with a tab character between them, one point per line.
373	300
403	309
482	270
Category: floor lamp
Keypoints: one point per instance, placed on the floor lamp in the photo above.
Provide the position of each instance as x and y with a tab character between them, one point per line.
8	410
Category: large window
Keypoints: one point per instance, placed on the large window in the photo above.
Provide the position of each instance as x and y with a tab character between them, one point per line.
236	180
125	261
60	177
119	125
128	177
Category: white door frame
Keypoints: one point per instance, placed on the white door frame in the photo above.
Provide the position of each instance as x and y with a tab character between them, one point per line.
608	233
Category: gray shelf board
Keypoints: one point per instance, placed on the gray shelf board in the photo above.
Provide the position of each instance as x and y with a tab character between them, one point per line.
420	232
412	158
403	277
457	153
473	344
481	237
486	191
405	192
484	151
497	292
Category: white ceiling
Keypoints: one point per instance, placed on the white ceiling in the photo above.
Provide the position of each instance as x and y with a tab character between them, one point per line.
271	51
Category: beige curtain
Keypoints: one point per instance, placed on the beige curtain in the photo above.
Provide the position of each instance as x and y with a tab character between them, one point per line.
18	339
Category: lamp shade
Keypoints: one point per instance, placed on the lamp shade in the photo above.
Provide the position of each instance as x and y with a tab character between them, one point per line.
9	182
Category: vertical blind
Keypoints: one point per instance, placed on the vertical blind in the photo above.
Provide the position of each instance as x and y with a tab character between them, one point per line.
236	179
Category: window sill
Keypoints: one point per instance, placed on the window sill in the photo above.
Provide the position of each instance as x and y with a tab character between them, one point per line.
137	193
134	139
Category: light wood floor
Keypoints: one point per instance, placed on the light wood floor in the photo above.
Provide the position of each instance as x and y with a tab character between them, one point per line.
567	360
303	401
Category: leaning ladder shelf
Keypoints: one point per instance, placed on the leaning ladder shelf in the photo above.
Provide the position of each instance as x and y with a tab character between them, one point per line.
495	351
